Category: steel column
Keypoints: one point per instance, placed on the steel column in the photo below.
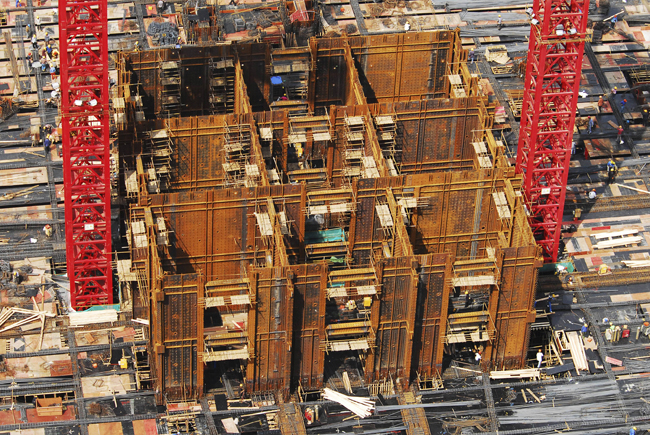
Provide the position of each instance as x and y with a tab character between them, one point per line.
557	40
86	152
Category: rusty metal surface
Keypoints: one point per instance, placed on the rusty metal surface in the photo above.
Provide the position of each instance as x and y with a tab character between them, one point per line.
270	331
404	67
308	356
396	319
215	232
179	368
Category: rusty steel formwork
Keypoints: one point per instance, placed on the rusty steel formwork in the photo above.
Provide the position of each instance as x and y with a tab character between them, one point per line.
285	243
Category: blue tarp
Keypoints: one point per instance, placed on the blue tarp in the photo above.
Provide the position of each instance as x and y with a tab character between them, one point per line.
115	307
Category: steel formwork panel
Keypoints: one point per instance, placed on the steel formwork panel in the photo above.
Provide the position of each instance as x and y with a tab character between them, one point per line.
83	39
308	355
180	328
216	231
271	330
394	342
409	66
436	134
432	308
515	309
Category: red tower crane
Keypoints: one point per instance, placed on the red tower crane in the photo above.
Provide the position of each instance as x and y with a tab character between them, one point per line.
83	39
556	47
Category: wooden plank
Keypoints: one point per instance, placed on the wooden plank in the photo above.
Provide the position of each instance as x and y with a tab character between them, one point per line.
22	176
14	63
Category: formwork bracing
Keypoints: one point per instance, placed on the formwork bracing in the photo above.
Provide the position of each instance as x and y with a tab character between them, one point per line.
556	47
374	228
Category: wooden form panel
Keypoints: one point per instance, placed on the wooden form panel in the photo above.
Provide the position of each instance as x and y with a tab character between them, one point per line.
308	355
404	67
180	371
270	330
394	342
515	310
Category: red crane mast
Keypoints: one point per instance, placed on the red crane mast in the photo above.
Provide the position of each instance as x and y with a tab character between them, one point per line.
83	39
556	47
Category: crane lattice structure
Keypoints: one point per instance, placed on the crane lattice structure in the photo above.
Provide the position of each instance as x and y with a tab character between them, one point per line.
556	47
83	39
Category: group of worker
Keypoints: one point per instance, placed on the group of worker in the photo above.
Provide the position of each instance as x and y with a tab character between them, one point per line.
48	55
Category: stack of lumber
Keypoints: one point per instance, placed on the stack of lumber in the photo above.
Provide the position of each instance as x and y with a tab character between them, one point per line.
361	406
81	318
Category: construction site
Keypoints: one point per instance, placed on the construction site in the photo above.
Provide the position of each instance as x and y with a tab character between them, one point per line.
382	217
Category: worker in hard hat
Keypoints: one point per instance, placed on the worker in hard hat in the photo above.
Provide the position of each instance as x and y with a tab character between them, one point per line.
499	22
611	170
136	46
47	230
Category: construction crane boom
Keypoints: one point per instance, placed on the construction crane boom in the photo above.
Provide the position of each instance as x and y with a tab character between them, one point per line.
83	39
556	47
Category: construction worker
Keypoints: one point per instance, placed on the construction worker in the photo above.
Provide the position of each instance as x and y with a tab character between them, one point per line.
614	90
591	123
34	42
499	22
601	103
603	269
623	103
633	431
577	212
136	46
619	138
584	330
592	194
477	357
540	358
37	23
46	143
611	170
47	229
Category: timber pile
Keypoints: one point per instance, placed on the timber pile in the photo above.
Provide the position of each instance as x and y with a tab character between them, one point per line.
515	374
82	318
32	315
361	406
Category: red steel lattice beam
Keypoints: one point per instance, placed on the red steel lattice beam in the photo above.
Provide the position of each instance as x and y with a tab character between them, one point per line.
556	47
83	39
